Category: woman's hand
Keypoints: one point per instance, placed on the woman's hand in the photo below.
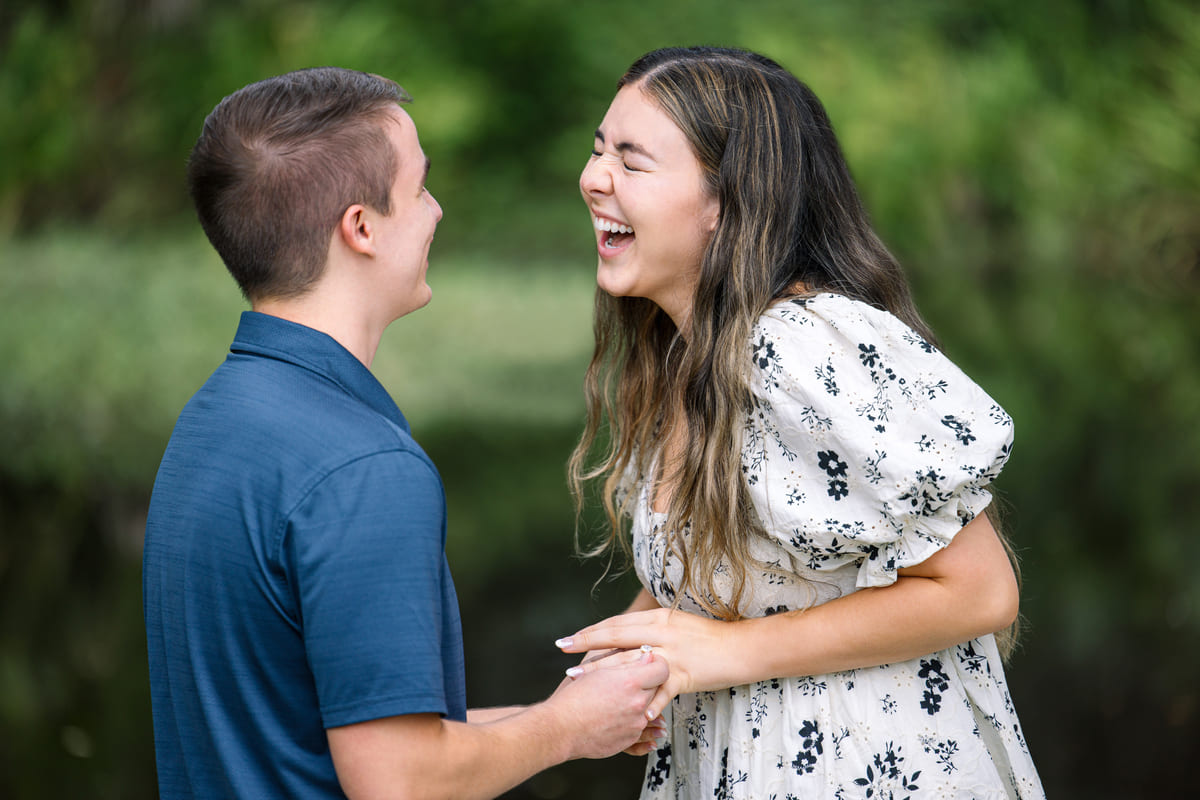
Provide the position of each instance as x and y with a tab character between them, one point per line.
695	648
655	729
965	590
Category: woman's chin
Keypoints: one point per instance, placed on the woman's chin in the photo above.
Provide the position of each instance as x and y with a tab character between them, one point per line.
617	288
609	282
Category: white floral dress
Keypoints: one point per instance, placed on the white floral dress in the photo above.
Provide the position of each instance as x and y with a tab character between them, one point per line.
866	451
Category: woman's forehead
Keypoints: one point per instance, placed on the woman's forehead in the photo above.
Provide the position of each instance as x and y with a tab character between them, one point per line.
636	122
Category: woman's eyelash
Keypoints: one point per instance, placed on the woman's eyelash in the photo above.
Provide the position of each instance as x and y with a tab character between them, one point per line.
597	153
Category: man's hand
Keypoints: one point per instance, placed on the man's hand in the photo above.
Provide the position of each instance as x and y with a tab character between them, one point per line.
604	711
426	756
691	645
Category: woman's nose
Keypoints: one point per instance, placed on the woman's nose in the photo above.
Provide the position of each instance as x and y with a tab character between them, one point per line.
595	178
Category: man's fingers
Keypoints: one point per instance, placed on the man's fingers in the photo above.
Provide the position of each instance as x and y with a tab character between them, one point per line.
657	673
651	734
658	670
592	657
609	659
640	748
654	731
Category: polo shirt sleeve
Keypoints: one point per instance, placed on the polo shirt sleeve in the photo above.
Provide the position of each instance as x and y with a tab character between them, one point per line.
366	552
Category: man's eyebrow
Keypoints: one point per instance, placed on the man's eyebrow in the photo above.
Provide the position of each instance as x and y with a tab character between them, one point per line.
425	174
626	147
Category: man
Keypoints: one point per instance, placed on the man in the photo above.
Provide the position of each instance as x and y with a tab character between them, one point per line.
303	630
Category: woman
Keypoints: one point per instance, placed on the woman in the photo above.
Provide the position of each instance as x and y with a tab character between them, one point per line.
805	473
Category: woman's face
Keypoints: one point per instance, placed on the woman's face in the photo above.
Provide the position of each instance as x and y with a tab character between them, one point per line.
652	212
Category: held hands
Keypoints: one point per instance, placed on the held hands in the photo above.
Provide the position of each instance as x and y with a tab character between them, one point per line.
696	650
605	710
648	741
656	728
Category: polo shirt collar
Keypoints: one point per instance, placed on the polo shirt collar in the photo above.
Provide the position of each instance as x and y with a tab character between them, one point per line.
272	337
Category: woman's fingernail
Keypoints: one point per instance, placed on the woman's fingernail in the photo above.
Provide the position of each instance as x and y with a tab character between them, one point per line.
650	715
564	642
659	733
574	672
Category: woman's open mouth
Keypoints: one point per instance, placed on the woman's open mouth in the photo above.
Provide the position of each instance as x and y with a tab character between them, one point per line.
619	235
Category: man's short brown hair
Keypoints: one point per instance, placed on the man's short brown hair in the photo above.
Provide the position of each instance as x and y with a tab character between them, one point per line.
280	160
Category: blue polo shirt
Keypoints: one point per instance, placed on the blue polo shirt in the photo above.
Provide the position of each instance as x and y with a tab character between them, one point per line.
294	576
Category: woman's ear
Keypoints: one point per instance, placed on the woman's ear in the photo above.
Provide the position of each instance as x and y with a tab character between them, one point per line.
356	230
712	214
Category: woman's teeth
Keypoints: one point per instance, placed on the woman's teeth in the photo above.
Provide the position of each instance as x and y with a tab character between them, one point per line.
610	226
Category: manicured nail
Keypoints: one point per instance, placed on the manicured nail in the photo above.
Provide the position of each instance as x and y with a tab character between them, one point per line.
574	672
565	642
659	733
650	715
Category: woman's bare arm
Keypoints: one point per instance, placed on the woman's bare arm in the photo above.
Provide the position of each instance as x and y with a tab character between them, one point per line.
965	590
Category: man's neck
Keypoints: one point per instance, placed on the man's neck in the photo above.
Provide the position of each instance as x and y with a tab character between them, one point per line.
353	332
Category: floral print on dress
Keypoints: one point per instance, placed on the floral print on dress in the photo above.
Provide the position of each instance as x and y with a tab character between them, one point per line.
865	450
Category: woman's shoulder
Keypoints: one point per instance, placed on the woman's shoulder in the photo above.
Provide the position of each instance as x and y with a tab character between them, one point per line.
831	315
834	352
825	331
860	429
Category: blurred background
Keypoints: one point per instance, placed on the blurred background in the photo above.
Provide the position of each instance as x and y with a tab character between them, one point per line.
1036	166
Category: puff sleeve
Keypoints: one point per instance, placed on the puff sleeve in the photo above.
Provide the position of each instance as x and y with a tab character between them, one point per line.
865	445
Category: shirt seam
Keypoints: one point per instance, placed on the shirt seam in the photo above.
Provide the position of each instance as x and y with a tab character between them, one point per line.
281	527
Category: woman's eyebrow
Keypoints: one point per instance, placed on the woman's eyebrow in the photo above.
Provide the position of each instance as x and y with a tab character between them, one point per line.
626	147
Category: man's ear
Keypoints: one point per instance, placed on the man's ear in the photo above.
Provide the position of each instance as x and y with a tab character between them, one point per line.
356	230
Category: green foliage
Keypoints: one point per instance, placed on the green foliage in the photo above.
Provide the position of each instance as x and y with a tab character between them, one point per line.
1036	167
113	335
